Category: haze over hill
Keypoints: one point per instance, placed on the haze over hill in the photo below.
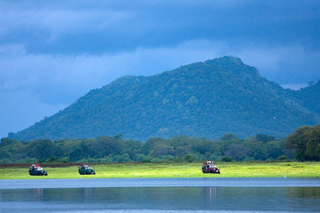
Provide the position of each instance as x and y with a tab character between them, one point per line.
206	99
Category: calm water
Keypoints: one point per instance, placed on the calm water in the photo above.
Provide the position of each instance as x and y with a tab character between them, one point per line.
161	195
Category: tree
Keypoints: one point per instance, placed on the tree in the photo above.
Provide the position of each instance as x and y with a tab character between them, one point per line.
151	143
118	136
237	152
4	155
180	141
189	158
275	149
41	149
76	154
80	152
265	138
181	151
298	142
311	83
131	147
313	143
258	149
121	158
162	149
283	158
230	138
227	159
7	141
105	146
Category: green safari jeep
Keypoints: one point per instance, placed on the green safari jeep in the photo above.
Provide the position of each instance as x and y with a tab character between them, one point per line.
86	170
37	170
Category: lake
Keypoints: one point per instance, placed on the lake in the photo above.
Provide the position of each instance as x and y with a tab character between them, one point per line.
161	195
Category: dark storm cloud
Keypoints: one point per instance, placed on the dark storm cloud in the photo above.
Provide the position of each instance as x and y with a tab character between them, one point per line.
125	26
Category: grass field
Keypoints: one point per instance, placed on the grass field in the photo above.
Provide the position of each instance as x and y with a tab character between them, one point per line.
173	170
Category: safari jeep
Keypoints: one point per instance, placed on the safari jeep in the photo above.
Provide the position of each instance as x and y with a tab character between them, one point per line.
37	170
210	167
86	170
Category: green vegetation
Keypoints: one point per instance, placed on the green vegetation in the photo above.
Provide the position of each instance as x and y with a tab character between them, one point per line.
114	149
208	99
303	145
174	170
306	143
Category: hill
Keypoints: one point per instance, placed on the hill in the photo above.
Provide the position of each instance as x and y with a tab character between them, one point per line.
205	99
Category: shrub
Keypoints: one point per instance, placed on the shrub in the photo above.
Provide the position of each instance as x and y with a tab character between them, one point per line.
283	158
189	158
227	159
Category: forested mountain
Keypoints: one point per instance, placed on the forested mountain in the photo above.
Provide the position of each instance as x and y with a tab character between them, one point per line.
207	99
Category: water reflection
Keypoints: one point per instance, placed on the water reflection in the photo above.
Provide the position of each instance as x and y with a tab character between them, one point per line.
285	199
263	199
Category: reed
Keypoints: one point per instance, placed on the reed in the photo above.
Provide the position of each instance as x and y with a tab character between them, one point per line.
173	170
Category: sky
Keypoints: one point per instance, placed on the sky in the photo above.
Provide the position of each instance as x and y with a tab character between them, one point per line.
54	52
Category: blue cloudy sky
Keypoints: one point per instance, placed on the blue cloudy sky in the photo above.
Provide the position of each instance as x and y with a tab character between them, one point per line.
53	52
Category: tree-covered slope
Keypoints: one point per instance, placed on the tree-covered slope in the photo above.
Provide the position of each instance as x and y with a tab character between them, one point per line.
309	97
206	99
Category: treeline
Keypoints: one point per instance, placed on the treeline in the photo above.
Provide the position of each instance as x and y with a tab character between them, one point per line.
115	149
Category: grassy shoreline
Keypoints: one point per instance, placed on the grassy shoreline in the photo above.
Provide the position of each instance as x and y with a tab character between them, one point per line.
172	170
